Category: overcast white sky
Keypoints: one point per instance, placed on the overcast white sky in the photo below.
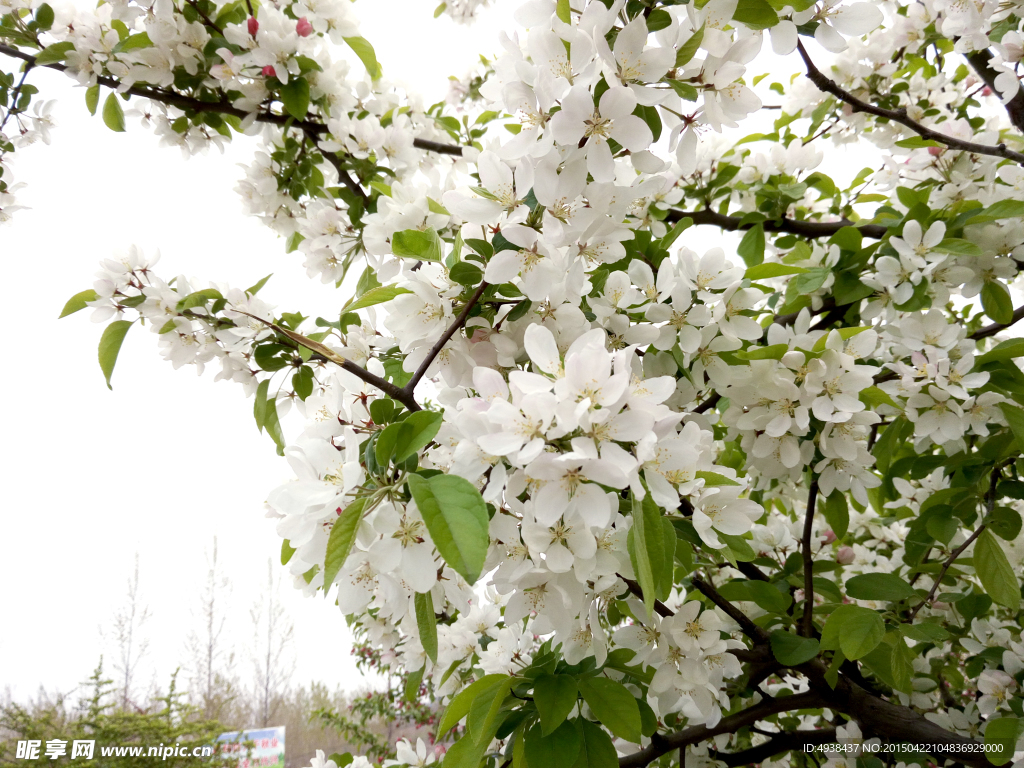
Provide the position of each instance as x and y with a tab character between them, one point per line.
89	476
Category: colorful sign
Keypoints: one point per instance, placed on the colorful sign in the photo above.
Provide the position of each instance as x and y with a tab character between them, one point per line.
258	748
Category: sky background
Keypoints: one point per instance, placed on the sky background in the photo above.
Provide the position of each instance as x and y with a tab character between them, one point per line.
90	476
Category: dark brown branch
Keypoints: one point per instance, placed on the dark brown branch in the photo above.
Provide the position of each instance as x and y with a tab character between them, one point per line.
439	344
436	146
807	625
789	226
222	107
992	330
982	63
782	742
209	22
749	628
661	745
659	607
708	404
827	85
343	175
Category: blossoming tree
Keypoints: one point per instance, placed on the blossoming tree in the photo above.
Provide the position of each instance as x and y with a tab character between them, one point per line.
609	500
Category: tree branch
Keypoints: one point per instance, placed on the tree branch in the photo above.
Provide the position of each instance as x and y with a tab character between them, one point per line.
439	344
222	107
827	85
992	330
659	607
782	742
807	625
661	745
750	629
789	226
982	63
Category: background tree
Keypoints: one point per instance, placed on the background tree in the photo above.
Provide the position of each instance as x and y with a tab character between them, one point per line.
127	631
272	639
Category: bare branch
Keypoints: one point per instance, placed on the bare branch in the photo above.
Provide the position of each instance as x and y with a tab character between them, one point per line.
900	116
782	742
750	629
992	330
661	745
790	226
807	625
439	344
982	63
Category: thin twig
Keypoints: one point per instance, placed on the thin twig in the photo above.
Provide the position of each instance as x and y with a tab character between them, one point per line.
209	22
439	344
750	629
992	330
807	625
13	108
900	116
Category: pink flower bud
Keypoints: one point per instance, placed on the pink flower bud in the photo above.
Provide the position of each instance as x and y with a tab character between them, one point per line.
845	556
938	605
303	27
828	537
986	91
935	151
269	71
254	26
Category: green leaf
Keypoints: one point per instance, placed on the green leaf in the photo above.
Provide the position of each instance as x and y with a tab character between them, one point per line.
762	593
302	382
1015	418
995	299
771	352
916	142
113	115
672	235
134	43
596	750
366	54
873	396
751	247
54	53
92	98
837	513
254	289
958	247
811	280
844	334
755	14
416	244
110	346
412	686
426	624
689	49
1005	209
287	550
642	565
924	632
273	426
376	296
793	650
1003	733
562	10
995	572
1002	352
339	543
555	697
614	706
465	273
259	407
459	706
879	586
294	96
765	271
456	516
78	302
1004	522
44	17
417	432
853	630
557	750
713	479
901	666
